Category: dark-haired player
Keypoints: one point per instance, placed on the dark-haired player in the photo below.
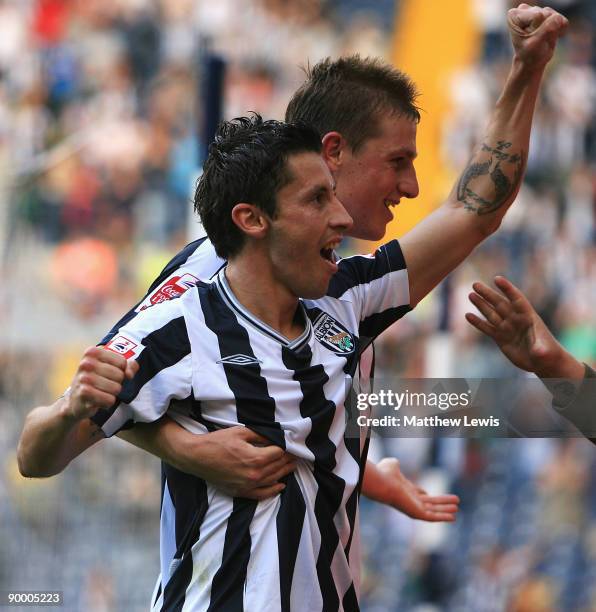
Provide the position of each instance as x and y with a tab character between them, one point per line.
272	344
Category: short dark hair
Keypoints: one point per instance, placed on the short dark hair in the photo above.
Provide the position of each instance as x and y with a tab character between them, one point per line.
349	95
247	162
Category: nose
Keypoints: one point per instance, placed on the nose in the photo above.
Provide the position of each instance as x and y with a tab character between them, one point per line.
340	218
408	184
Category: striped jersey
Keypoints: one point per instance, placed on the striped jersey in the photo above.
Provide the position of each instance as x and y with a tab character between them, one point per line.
209	363
196	261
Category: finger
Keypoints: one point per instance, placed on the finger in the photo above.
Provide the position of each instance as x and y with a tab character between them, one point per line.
553	24
501	307
105	370
89	399
94	381
254	438
513	294
132	367
265	455
444	508
525	19
443	499
489	312
481	325
441	508
260	493
439	517
272	467
278	474
492	297
107	356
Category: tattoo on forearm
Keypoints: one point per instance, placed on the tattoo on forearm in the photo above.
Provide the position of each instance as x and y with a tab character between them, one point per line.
505	170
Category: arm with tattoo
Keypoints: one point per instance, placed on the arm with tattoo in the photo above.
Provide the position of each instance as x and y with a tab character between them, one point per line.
504	169
493	176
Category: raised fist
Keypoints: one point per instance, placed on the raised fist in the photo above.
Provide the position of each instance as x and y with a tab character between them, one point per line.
534	33
98	381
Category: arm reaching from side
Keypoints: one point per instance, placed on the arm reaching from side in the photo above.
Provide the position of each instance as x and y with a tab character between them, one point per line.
519	332
523	337
385	483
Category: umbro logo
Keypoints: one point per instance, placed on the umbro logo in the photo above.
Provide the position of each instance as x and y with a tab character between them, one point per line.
239	359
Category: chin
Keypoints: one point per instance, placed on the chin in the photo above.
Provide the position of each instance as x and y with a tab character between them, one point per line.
369	233
314	293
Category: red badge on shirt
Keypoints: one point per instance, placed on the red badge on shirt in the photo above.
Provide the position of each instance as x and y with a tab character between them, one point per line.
174	287
123	346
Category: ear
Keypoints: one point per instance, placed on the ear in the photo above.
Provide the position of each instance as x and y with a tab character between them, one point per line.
334	150
251	220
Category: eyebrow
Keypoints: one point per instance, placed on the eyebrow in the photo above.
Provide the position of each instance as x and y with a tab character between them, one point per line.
318	189
411	153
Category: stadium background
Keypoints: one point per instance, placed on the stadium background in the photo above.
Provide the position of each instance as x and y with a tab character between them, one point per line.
99	106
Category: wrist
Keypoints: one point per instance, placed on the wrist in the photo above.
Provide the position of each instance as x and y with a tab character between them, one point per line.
65	410
527	70
560	365
190	453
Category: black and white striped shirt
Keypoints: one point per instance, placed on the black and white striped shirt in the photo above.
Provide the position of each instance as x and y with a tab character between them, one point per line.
208	363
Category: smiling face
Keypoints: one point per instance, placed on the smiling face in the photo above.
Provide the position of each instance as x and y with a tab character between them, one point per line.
310	222
373	179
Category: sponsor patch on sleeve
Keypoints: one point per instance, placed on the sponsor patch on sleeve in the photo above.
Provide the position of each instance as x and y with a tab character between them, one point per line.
174	287
124	346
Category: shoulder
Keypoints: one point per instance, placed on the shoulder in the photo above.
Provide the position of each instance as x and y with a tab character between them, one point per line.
364	269
197	261
198	257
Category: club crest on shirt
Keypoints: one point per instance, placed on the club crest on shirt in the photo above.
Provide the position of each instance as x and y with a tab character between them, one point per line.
172	288
333	335
124	346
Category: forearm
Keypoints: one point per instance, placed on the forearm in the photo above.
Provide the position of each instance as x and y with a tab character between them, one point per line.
483	193
575	399
491	181
558	369
169	442
560	365
227	459
51	439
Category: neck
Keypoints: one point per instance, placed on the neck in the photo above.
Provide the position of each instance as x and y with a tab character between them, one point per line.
251	278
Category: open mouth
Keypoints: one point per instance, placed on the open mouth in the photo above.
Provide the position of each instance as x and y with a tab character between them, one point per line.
328	251
327	254
391	203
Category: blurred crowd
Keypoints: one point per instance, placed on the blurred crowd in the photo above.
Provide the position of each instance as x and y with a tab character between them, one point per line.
100	144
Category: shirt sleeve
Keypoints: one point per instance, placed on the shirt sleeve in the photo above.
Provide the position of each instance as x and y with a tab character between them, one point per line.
377	286
578	405
158	340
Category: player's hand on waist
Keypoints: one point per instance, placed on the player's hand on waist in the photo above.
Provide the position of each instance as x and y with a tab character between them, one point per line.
534	33
241	463
97	382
